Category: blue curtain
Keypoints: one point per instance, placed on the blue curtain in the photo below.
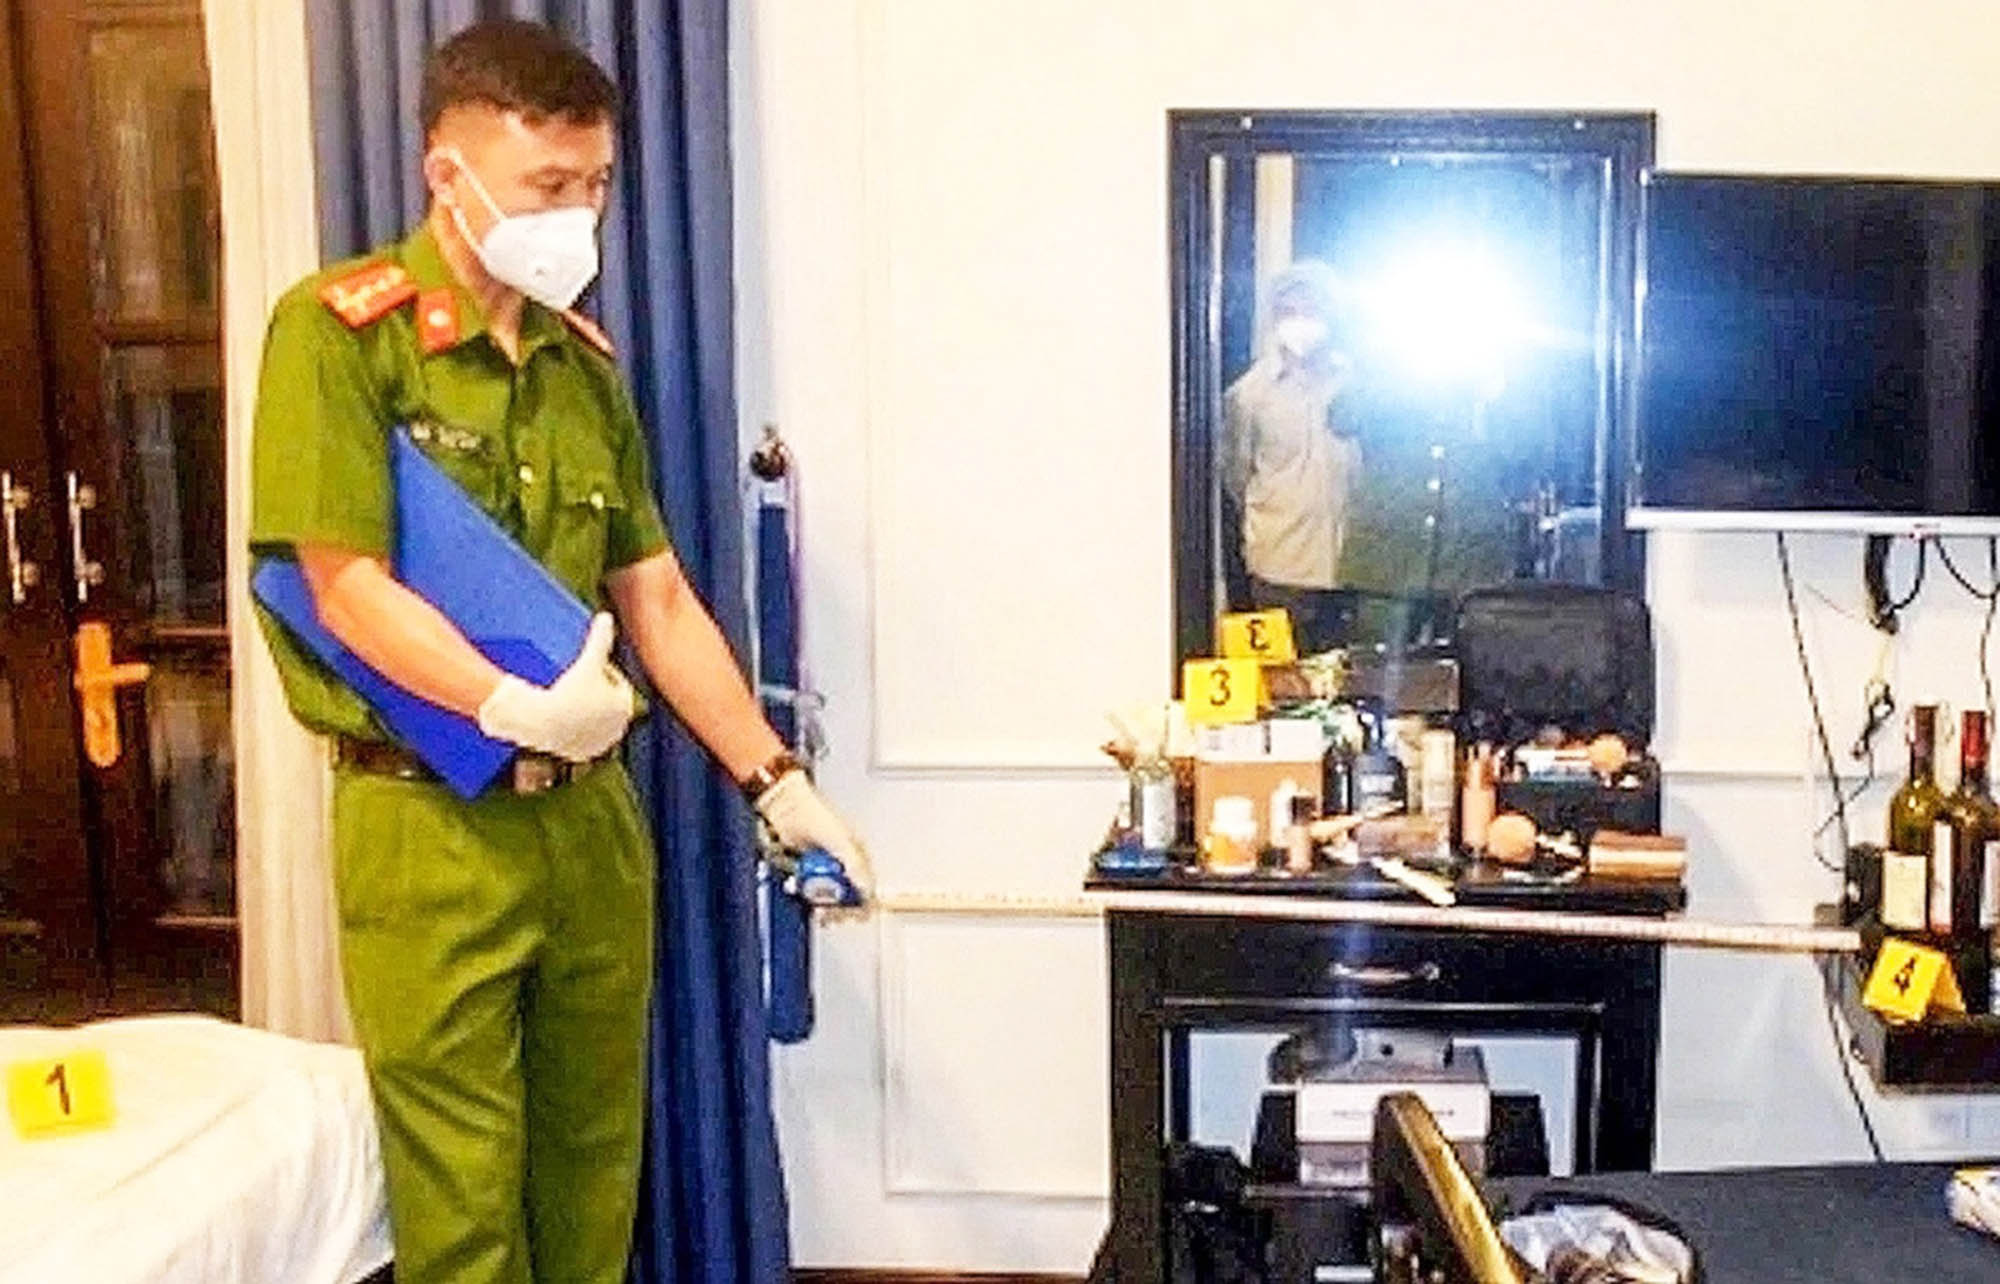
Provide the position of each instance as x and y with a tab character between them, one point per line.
713	1208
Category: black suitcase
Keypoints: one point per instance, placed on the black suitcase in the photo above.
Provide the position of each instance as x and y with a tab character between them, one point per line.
1534	655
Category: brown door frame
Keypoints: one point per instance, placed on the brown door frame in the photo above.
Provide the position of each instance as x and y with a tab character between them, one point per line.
55	68
49	837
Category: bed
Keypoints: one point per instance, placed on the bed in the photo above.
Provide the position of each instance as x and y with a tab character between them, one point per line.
237	1156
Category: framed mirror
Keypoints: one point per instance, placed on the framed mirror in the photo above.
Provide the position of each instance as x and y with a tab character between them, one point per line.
1402	343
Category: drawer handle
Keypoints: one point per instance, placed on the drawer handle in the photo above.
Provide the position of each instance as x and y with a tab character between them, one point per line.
1376	977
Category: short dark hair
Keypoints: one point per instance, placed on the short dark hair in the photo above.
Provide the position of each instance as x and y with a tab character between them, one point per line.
512	65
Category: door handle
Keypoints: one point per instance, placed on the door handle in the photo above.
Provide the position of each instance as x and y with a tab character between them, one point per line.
22	574
1378	977
88	574
98	681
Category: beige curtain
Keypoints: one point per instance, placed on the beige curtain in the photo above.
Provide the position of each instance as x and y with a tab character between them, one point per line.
263	139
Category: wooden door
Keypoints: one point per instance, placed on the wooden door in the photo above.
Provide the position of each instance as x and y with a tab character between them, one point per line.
49	955
126	245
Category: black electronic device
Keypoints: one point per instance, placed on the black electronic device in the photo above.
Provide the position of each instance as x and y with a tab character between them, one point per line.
1819	352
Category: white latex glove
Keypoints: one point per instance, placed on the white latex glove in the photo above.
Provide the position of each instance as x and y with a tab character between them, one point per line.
800	818
579	716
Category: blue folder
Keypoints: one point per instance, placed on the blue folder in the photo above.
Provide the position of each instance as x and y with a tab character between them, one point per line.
457	558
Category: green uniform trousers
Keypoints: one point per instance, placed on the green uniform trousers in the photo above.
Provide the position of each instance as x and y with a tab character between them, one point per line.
497	956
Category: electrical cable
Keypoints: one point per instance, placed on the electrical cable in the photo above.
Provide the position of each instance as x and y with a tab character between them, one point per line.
1944	555
1812	698
1831	605
1879	705
1989	595
1840	1050
1884	611
1854	794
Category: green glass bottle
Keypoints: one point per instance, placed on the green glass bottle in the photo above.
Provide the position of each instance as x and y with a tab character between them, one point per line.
1962	901
1913	811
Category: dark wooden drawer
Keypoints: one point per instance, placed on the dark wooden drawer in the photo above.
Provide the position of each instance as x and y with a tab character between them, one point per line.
1220	959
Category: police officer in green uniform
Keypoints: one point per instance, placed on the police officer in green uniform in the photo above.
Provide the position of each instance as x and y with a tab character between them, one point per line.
497	952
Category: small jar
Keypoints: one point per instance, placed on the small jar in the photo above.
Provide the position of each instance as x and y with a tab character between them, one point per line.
1298	836
1231	845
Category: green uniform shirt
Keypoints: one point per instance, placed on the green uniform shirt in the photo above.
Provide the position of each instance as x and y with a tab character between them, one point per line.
551	447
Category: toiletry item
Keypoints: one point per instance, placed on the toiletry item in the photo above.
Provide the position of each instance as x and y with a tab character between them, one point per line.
1153	802
1437	772
1608	755
1231	845
1278	813
1298	836
1510	839
1479	800
1378	776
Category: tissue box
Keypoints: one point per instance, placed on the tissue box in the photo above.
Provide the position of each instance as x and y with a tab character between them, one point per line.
1335	1115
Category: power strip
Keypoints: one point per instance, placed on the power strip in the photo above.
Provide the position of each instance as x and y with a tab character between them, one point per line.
1783	938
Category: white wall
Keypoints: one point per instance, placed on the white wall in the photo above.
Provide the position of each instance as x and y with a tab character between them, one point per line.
953	263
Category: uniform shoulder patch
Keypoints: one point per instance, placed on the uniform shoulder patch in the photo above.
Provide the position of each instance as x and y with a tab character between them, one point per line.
437	320
593	333
369	293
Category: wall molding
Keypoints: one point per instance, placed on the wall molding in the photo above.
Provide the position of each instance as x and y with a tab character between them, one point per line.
901	751
903	1132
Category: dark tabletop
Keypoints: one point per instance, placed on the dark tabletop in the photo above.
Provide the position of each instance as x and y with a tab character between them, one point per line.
1482	884
1853	1224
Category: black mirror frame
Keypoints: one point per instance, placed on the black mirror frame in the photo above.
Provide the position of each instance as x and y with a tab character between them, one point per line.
1624	140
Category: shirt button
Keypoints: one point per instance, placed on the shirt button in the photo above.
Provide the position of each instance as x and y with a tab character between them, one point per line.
597	499
526	474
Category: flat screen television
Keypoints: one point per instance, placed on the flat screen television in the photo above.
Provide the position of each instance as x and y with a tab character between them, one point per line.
1819	353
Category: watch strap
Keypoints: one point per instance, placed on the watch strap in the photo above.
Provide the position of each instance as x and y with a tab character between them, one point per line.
779	765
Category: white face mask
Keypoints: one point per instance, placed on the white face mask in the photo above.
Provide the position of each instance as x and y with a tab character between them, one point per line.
1300	336
548	255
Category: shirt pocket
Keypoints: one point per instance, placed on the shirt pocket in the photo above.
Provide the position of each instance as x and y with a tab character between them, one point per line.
588	499
467	456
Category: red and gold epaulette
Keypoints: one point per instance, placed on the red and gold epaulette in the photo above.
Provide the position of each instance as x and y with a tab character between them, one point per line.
593	333
437	319
368	294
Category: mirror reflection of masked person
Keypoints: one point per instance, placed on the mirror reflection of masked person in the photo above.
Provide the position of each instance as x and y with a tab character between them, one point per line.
1290	460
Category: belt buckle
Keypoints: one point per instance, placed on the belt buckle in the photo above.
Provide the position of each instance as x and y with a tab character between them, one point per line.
534	774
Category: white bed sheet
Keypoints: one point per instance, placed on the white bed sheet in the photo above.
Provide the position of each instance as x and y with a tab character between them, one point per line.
237	1157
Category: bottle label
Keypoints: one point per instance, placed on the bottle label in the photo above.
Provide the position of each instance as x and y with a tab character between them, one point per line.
1372	788
1989	885
1905	889
1941	863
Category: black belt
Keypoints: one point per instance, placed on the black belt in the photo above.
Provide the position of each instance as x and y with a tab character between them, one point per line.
529	773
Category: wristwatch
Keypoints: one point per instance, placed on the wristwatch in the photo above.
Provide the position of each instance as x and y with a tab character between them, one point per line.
780	764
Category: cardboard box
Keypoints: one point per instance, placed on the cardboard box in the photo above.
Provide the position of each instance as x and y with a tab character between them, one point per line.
1254	779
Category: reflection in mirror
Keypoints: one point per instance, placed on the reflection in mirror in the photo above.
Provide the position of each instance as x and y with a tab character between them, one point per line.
1411	360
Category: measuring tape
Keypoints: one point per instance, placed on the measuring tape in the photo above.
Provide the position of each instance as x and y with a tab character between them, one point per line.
1782	938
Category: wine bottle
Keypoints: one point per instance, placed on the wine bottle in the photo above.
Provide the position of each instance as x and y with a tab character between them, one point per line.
1906	872
1961	900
